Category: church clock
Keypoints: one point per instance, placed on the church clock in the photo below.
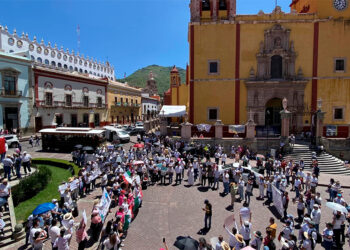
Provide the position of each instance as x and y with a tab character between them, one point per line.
340	4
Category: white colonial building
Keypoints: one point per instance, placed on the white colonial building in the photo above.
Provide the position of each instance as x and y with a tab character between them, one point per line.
68	99
52	56
150	106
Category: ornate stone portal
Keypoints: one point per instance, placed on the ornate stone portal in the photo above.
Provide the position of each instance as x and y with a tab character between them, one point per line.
276	78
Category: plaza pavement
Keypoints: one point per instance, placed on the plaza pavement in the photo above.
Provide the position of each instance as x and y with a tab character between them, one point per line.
170	211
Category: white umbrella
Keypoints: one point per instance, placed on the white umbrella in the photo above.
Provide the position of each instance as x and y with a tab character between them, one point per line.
336	207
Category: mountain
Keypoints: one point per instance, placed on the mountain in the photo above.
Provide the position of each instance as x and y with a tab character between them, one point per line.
161	75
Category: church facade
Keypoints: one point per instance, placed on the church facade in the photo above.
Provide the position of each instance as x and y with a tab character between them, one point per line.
242	66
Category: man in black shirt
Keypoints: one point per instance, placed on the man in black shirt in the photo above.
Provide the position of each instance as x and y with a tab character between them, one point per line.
207	215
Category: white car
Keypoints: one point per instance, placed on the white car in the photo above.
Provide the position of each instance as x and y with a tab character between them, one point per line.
12	141
123	136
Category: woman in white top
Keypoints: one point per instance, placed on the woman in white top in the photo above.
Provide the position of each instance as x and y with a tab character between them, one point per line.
112	242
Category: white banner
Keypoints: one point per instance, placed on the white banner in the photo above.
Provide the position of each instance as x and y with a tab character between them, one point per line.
62	188
277	200
104	204
74	185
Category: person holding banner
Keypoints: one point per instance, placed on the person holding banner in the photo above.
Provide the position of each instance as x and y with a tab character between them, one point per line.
81	235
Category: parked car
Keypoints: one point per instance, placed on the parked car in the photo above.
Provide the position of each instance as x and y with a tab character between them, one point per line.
12	141
113	134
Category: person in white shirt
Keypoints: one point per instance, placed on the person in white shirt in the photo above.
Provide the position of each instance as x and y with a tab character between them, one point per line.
297	186
216	178
245	231
26	161
316	216
54	231
178	171
225	180
223	158
112	242
313	183
232	235
62	242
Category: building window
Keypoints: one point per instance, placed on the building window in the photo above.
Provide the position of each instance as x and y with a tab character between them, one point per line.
205	4
99	102
132	100
47	62
71	68
339	65
121	99
86	120
126	100
86	101
48	99
68	100
116	99
10	85
213	114
53	63
276	67
97	120
39	60
213	67
222	5
338	113
136	101
59	65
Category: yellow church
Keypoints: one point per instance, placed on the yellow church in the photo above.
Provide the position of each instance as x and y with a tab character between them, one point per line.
242	66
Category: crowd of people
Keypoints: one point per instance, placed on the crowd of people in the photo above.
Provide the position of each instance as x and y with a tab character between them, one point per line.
124	172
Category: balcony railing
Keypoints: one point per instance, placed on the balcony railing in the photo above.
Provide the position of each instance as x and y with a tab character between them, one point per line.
10	93
63	104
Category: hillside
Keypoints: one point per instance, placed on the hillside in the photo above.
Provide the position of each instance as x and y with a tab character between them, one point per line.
161	75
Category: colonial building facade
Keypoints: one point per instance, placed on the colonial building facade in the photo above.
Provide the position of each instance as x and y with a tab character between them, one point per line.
68	99
242	66
15	93
124	103
53	56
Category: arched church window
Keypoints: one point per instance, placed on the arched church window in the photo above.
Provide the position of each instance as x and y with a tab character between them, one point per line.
276	67
222	5
205	4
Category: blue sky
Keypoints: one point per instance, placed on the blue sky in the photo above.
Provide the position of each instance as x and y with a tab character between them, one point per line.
130	34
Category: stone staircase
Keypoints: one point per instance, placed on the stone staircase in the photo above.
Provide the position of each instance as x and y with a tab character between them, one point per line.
6	239
328	163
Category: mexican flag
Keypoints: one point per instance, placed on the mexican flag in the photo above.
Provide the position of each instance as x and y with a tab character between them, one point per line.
127	177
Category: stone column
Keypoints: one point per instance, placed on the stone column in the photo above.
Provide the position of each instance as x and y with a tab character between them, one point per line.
163	127
319	126
186	130
218	129
285	119
250	127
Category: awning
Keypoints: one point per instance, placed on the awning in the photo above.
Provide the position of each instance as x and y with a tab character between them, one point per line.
173	111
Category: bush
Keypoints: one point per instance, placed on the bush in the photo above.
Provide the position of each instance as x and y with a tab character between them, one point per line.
30	186
58	163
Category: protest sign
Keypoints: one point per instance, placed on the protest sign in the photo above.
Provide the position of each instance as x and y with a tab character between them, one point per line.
104	204
62	188
244	213
84	217
74	185
277	200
